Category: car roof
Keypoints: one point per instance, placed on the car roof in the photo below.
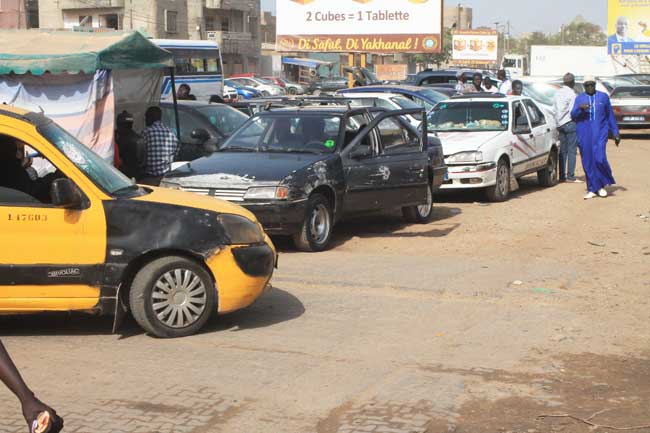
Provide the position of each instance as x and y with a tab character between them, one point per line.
353	95
485	97
10	109
190	104
324	109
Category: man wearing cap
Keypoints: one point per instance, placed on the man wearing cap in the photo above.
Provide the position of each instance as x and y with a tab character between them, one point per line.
562	106
460	85
594	117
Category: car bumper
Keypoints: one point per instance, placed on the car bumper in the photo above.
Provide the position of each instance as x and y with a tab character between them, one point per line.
470	176
242	273
281	218
639	124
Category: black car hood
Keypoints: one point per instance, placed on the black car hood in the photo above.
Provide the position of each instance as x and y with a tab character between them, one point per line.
241	168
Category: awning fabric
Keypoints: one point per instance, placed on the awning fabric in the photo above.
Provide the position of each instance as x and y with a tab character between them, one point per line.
301	61
39	51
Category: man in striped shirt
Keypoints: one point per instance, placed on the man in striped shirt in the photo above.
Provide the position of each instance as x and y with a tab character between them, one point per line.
161	146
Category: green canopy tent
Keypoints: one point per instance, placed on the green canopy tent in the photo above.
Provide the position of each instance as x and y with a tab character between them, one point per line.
55	70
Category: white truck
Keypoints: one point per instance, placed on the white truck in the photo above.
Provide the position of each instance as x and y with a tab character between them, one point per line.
549	60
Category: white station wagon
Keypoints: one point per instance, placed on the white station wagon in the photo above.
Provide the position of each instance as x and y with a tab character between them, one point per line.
490	141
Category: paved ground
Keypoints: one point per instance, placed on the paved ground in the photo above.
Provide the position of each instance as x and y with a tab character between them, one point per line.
482	321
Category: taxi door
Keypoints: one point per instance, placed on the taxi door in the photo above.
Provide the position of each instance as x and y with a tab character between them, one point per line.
51	258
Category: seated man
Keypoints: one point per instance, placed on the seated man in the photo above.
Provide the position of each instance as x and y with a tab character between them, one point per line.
13	171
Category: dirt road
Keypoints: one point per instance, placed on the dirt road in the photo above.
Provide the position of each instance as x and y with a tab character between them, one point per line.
482	321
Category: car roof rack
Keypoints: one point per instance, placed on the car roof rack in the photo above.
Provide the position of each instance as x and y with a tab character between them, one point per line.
480	95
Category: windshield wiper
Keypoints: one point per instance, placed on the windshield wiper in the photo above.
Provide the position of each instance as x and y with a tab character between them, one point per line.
237	149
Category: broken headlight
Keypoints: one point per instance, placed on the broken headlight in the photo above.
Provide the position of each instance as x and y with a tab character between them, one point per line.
241	230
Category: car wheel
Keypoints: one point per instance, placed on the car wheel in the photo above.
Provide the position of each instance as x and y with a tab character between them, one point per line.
501	190
172	297
265	94
548	176
421	214
316	92
316	230
292	90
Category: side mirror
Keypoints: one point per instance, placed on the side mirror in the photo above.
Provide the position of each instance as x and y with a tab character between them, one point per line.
65	194
361	152
200	134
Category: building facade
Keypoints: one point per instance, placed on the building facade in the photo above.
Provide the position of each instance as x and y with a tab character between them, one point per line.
165	19
234	25
457	17
18	14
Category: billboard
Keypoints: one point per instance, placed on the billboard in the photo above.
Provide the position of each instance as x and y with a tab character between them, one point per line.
393	72
365	26
475	46
628	32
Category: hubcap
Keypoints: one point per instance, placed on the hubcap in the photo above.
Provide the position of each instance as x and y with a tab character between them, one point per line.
425	209
502	179
319	224
179	298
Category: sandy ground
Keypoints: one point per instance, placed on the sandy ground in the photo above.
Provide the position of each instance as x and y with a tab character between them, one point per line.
485	320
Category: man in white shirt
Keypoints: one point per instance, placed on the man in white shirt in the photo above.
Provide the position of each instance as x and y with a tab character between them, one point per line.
506	85
460	85
562	106
488	86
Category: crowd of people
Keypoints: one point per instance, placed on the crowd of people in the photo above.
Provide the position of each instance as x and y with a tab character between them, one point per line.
481	84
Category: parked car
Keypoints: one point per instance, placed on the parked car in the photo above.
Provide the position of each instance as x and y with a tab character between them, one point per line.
642	78
361	77
423	96
203	126
430	77
301	169
230	94
101	243
291	87
632	106
612	83
265	87
489	141
242	91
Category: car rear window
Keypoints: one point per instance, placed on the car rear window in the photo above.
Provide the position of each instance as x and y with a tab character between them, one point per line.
631	92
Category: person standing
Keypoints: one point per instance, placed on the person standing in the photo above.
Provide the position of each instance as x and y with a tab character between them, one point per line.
488	87
562	106
594	117
130	146
477	83
506	85
32	407
161	147
460	85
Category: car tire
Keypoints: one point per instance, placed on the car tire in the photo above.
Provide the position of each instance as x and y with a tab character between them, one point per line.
316	230
421	214
316	92
265	93
549	175
186	288
292	90
500	191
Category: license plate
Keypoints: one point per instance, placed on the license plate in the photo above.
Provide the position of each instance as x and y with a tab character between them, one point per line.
633	119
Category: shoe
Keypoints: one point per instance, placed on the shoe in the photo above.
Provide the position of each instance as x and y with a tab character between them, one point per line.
602	192
590	195
575	181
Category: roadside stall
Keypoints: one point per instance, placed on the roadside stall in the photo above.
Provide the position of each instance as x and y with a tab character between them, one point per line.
82	80
303	70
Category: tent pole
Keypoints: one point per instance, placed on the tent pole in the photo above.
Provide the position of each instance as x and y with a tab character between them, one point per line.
178	123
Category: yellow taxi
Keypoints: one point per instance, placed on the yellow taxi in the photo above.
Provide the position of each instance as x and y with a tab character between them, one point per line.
76	234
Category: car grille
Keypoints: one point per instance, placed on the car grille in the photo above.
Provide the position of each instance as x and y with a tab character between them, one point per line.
224	194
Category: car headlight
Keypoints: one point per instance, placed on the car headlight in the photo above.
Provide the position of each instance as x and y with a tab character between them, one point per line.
241	230
465	158
267	193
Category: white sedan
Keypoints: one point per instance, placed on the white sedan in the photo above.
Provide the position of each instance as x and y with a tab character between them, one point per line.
490	141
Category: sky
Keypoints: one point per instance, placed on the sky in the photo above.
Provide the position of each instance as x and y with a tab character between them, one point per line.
526	15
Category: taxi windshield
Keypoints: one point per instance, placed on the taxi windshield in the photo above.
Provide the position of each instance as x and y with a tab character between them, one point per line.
104	175
469	116
286	134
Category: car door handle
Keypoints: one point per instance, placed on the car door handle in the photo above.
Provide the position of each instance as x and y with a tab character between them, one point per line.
531	136
548	129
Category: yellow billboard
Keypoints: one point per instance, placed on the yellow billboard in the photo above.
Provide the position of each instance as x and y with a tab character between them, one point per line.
628	27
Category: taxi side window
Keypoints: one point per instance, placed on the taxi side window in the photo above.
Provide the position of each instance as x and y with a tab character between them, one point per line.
519	116
536	116
396	139
24	179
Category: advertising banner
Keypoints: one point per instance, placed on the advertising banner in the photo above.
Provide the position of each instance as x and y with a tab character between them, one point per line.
476	46
628	31
365	26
